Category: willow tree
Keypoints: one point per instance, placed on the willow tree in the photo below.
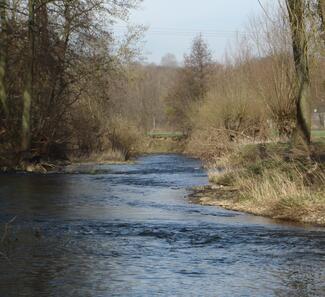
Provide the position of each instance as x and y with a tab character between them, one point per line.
297	16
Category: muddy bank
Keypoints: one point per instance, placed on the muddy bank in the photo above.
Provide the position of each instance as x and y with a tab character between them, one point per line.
80	166
69	163
73	162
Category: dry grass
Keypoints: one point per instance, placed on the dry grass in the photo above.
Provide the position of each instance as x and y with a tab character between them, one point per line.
268	185
101	157
283	195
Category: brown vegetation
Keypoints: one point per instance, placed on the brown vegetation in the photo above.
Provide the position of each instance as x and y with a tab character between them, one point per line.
53	84
70	89
260	179
252	97
261	96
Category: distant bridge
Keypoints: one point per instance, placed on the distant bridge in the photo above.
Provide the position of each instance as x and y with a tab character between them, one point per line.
166	134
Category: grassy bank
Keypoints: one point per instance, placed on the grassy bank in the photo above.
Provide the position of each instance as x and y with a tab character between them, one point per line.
262	180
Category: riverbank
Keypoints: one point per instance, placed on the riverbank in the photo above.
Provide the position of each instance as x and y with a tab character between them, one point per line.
33	163
68	165
230	198
262	180
259	179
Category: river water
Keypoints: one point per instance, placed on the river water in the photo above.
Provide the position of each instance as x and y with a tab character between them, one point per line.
129	230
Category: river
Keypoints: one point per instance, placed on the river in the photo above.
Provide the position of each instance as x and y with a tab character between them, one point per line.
129	230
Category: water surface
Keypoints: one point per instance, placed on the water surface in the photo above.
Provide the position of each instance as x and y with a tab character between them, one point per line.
129	230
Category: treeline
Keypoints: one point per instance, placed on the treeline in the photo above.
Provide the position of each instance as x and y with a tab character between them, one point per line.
69	88
254	94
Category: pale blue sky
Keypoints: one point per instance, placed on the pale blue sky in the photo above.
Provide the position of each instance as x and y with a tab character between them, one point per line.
174	23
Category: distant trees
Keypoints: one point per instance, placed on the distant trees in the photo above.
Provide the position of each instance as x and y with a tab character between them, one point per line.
191	84
169	60
144	93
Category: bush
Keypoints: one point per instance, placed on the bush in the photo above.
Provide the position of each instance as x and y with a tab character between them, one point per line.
125	137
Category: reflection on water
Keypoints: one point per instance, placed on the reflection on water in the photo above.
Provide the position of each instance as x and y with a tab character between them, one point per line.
128	230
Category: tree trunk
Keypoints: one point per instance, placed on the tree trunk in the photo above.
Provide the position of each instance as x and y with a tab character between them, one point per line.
3	44
29	80
321	13
302	133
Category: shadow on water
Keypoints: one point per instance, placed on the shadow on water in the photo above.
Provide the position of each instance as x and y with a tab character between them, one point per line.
130	231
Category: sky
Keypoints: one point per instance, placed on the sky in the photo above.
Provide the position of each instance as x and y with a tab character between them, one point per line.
172	24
